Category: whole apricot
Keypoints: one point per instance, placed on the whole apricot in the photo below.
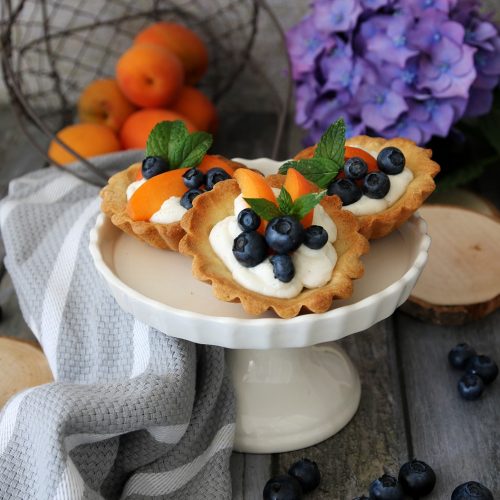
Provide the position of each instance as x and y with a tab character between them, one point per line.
103	102
196	106
87	139
135	131
183	42
149	75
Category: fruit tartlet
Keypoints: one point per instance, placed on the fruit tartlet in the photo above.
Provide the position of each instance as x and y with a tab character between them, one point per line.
381	181
291	249
148	200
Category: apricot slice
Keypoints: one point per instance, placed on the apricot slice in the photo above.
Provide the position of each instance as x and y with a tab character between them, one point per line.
213	161
150	196
297	185
351	151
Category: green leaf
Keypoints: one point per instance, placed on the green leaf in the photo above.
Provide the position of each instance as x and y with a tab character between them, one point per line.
320	171
332	143
165	138
194	148
285	202
178	136
265	209
304	204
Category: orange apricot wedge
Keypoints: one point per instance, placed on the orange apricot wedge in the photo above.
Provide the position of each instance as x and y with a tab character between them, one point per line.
297	185
213	161
150	196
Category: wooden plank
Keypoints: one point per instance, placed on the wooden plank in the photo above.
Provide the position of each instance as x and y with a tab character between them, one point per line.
375	440
459	439
249	474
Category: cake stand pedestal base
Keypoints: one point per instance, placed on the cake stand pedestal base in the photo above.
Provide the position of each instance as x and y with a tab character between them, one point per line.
289	399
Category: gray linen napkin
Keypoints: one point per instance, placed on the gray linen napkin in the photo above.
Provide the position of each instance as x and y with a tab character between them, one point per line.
132	413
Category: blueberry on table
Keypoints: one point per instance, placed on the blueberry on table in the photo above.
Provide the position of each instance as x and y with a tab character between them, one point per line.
248	220
283	267
307	473
471	491
355	168
376	185
483	366
391	160
346	190
284	234
193	178
250	248
460	354
283	487
315	237
215	175
153	165
386	487
188	197
417	478
470	386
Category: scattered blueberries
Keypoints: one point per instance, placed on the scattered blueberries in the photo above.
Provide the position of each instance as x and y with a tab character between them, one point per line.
470	386
307	473
346	190
391	160
417	478
215	175
284	234
355	168
376	185
283	267
249	249
188	197
460	354
248	220
315	237
483	366
386	487
193	178
153	165
283	487
471	491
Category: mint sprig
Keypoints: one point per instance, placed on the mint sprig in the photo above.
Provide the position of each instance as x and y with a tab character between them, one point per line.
328	157
172	142
299	208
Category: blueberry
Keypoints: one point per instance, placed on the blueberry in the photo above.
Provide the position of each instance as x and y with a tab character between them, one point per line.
460	354
417	478
355	168
193	178
315	237
284	234
250	248
386	488
471	491
307	473
470	386
189	196
248	220
283	267
483	366
215	175
153	165
376	185
391	160
346	190
283	487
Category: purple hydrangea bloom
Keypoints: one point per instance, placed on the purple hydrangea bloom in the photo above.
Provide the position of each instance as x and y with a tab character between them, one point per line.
336	15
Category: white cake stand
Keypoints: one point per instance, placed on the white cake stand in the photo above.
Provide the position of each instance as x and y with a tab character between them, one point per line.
294	386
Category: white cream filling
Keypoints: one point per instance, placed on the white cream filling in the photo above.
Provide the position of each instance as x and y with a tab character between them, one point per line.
313	268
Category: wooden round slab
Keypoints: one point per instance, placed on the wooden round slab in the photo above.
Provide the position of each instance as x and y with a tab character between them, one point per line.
461	281
22	365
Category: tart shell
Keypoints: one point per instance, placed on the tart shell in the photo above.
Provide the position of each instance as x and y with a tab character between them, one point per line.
424	169
208	267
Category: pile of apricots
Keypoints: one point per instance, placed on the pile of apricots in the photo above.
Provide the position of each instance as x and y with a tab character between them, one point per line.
154	81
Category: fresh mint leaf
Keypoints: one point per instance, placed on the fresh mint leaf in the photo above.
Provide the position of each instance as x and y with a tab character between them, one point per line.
304	204
178	135
320	171
158	140
332	143
193	149
265	209
285	202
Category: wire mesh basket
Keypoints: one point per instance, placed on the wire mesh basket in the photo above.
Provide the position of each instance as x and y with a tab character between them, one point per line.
51	49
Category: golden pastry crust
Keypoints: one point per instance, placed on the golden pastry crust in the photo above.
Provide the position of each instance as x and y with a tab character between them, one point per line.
114	205
418	160
208	267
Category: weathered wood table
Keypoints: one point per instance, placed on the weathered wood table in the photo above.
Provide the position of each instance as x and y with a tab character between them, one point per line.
409	405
